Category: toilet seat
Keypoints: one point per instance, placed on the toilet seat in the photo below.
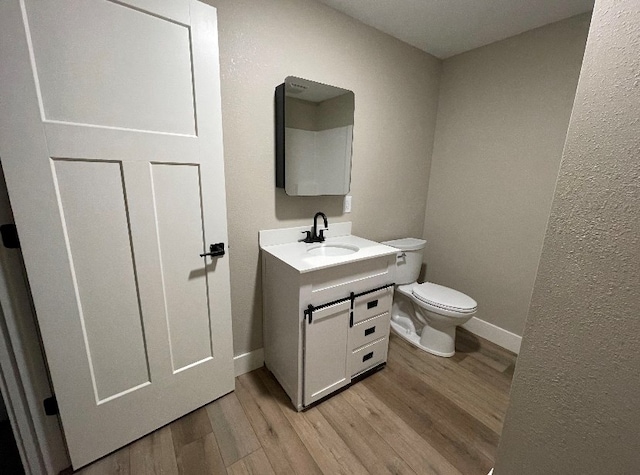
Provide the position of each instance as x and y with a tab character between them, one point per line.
443	299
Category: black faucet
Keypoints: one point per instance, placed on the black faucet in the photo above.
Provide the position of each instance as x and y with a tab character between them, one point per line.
313	236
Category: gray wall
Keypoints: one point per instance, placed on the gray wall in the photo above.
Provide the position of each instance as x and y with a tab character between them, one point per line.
574	401
502	121
396	88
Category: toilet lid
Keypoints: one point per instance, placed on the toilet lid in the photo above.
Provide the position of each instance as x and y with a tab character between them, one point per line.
444	297
406	244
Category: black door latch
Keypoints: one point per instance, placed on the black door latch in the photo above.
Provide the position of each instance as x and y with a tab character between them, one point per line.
215	250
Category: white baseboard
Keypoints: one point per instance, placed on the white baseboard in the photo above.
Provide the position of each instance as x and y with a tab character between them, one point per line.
494	334
248	361
255	359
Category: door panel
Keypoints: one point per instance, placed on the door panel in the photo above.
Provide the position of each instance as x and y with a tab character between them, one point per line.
178	208
100	250
77	62
116	189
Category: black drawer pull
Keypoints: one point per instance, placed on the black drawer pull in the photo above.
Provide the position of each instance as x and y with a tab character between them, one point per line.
368	356
372	304
369	331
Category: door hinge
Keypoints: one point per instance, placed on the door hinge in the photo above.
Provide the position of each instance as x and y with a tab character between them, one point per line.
50	406
10	236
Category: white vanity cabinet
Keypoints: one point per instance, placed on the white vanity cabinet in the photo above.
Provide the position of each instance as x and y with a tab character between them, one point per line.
325	327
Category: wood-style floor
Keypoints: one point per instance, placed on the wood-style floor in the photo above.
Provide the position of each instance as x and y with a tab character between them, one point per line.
421	414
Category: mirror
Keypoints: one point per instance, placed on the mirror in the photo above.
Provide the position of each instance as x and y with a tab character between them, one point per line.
314	132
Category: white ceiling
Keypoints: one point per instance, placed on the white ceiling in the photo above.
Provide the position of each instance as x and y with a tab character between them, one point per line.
448	27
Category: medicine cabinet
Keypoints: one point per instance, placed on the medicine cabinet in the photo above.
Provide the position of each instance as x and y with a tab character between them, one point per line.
314	134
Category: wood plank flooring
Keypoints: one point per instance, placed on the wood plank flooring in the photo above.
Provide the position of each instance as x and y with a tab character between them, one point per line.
420	415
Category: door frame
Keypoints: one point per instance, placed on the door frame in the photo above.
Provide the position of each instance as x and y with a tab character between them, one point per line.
17	387
23	385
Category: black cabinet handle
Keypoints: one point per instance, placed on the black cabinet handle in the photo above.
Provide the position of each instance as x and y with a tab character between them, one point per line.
368	356
369	331
372	304
215	250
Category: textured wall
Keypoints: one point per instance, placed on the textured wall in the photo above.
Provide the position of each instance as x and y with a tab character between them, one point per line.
574	401
395	86
502	121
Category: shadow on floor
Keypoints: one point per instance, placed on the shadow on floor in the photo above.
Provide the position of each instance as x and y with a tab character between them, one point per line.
466	342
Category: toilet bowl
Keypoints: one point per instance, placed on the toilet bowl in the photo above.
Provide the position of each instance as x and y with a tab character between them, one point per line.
426	315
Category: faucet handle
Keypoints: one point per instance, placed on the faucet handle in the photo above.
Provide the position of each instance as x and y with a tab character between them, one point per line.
321	235
307	238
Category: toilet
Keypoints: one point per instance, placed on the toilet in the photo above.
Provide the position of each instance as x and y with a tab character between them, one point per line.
426	315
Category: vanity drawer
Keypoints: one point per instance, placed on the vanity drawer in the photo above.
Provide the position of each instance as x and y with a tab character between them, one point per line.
372	304
369	330
368	356
333	283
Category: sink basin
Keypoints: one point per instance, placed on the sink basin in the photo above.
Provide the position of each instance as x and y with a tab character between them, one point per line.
332	249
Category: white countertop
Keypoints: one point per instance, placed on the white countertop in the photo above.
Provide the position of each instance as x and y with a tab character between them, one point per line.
283	244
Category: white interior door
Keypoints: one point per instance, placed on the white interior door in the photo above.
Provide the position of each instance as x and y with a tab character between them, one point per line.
111	144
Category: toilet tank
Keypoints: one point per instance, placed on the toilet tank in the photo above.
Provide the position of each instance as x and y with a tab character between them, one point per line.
408	259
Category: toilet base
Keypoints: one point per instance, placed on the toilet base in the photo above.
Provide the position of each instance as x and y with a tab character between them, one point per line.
412	337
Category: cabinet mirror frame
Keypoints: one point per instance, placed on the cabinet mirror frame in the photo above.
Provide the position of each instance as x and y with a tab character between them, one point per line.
314	136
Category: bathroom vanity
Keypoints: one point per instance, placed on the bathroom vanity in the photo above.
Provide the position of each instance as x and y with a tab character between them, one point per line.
326	309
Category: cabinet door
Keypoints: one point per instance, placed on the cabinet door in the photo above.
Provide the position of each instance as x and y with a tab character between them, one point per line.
326	366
